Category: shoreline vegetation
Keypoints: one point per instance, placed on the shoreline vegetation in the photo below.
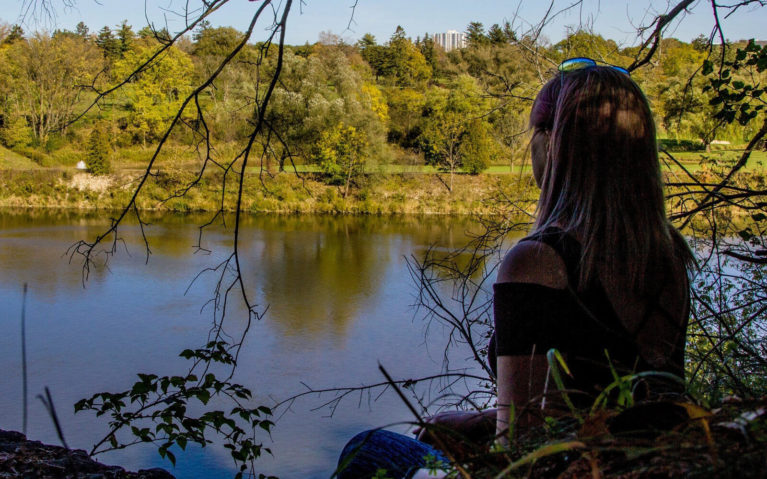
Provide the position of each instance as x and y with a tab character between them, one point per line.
397	126
283	193
382	190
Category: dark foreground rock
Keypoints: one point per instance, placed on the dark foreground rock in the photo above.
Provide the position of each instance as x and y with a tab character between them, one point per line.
21	458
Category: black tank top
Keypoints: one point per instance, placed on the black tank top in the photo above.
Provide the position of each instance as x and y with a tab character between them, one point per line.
582	325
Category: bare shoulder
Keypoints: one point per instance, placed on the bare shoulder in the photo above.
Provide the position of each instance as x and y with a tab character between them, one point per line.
533	262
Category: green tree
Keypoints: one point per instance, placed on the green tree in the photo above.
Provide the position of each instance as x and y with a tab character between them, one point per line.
315	95
368	40
586	44
125	37
155	94
454	118
475	35
15	131
700	43
216	42
81	29
400	62
496	35
108	44
341	154
406	108
44	77
426	47
477	148
150	33
408	65
98	153
16	34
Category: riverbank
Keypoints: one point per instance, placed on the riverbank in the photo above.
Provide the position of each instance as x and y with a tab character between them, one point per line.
20	457
283	193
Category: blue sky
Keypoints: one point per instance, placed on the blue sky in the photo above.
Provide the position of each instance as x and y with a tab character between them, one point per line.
613	19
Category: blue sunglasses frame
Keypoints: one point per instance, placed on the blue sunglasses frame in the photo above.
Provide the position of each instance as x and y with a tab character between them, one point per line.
579	63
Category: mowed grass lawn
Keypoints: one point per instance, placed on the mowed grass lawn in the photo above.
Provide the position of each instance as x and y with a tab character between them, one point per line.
10	160
692	161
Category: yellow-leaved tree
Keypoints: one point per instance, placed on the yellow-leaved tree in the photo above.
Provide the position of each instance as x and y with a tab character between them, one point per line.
155	94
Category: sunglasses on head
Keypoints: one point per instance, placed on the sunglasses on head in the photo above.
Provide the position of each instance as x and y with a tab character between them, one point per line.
579	63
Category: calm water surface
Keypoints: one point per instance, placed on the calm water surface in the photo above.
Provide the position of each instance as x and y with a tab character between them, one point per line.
339	298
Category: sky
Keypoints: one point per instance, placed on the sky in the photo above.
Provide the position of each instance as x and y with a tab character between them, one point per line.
617	20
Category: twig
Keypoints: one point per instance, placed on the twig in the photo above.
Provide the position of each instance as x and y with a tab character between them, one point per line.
49	406
24	356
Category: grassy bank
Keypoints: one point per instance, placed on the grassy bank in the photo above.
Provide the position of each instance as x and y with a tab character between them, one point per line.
283	193
383	189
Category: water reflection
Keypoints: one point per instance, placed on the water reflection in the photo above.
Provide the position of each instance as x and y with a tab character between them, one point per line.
338	295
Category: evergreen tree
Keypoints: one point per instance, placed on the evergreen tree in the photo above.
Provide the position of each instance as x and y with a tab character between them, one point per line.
109	45
508	32
81	30
475	35
204	25
700	43
427	50
496	35
16	34
368	40
97	157
399	35
162	35
405	62
125	37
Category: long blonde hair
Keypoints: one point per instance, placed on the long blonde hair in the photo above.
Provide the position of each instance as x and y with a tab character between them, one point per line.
602	180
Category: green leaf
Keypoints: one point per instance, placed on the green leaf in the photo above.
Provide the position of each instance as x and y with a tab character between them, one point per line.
708	67
81	404
147	377
139	389
203	395
187	353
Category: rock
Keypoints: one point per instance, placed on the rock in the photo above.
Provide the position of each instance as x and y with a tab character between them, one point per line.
20	457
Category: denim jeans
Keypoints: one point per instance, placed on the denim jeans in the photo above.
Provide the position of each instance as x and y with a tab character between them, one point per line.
401	456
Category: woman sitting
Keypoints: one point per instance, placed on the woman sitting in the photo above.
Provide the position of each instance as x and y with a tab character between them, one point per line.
602	277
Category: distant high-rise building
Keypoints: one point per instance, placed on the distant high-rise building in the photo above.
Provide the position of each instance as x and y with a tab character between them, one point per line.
450	40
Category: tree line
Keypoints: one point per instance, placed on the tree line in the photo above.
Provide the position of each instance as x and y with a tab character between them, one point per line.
341	107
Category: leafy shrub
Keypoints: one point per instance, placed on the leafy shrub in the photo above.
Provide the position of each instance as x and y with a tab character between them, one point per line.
675	145
54	143
15	132
37	156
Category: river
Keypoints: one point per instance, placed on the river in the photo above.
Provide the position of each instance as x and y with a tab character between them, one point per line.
339	302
